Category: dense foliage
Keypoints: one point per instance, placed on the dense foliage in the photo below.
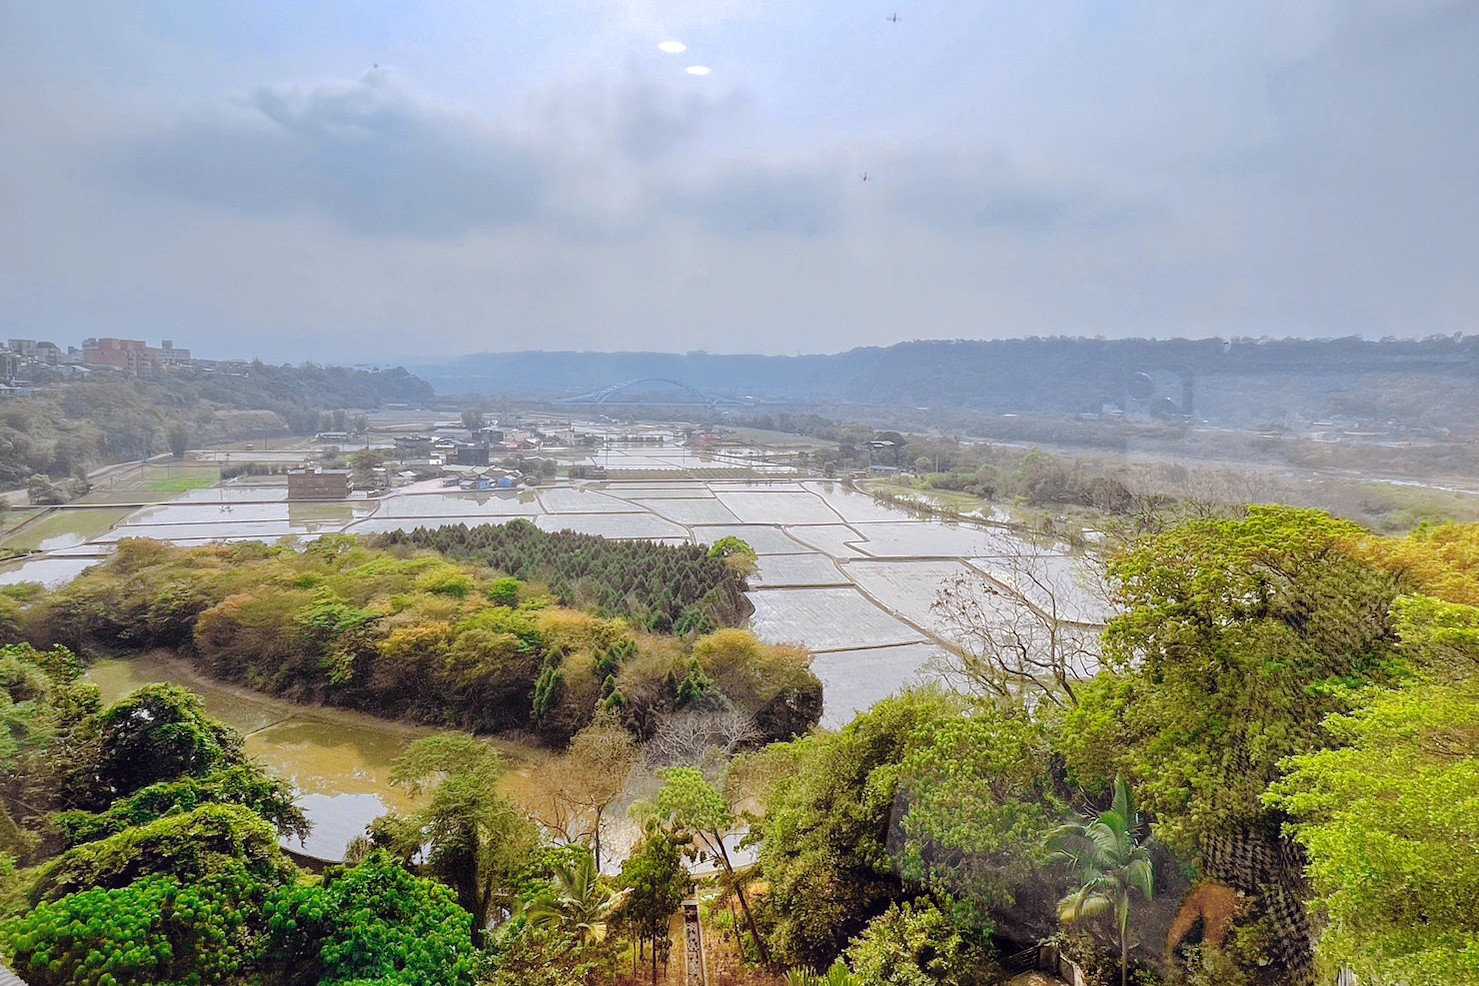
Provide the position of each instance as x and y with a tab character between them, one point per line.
370	923
1390	815
1237	638
662	588
409	634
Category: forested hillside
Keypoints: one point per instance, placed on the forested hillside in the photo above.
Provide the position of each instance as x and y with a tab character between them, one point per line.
73	426
1240	382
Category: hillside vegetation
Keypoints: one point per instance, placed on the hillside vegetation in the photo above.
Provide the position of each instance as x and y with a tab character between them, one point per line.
408	633
73	426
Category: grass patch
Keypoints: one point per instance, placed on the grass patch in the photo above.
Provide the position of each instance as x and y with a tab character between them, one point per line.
950	500
183	484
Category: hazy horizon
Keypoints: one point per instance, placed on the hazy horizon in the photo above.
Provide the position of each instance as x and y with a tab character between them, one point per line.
318	182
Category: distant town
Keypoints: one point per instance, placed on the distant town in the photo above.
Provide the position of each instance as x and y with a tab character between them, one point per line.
28	363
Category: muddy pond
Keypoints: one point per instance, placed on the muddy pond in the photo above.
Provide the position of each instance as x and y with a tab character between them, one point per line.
338	759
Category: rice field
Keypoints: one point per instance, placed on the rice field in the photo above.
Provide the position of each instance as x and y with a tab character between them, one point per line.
826	619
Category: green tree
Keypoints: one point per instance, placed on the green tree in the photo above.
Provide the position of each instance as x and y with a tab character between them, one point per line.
825	834
655	882
247	784
191	846
1238	637
1105	853
1390	817
915	944
159	733
736	553
980	800
373	922
689	804
157	929
472	837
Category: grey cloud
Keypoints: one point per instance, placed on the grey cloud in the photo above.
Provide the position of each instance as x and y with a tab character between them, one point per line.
780	199
982	195
653	120
369	157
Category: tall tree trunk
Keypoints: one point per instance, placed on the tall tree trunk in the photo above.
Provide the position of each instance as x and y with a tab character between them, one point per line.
745	904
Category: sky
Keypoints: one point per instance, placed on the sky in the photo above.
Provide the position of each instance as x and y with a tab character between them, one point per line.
363	182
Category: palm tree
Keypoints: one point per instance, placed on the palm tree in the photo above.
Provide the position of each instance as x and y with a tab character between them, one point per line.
577	899
1106	854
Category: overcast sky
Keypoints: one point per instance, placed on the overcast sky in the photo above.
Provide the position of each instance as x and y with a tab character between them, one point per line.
377	181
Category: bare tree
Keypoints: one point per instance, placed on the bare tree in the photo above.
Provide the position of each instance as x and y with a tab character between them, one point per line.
706	739
1034	625
570	795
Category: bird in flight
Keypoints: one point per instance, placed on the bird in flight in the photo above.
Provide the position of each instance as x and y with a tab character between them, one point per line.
893	17
864	176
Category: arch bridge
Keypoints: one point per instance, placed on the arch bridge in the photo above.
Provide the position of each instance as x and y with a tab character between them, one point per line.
688	396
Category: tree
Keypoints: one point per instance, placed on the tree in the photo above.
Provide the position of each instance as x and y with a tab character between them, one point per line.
190	846
705	739
247	784
689	804
473	419
595	770
915	944
1390	817
825	836
160	733
472	837
570	794
1105	853
1236	639
178	437
772	683
576	899
979	800
656	883
373	922
736	553
1033	627
155	930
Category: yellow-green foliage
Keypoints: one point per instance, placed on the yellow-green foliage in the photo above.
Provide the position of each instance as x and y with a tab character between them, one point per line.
403	633
1442	561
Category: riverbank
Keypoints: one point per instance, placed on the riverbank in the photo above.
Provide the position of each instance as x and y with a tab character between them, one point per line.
339	759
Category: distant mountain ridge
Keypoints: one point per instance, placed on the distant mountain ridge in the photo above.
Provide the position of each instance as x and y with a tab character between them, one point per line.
1234	381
